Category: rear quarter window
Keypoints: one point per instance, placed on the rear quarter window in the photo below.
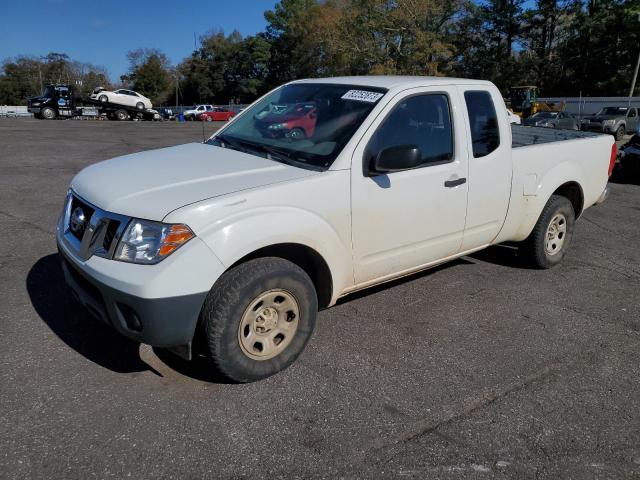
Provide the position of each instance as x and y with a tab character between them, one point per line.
483	122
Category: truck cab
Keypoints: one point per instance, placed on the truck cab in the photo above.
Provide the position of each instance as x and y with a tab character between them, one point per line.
57	100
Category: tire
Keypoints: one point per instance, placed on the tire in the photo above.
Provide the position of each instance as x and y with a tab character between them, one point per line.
296	134
620	132
547	244
103	98
48	113
238	338
121	115
140	106
209	119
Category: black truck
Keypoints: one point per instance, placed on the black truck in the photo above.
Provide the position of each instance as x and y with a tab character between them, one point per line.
60	101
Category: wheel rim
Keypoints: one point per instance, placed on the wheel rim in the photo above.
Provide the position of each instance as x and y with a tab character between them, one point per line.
295	134
47	113
556	234
269	324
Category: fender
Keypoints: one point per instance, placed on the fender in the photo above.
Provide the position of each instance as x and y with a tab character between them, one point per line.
241	233
533	195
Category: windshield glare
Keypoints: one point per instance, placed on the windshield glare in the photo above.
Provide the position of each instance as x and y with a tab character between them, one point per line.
306	124
613	111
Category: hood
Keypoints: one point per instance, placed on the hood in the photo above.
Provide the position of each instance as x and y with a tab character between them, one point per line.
151	184
39	99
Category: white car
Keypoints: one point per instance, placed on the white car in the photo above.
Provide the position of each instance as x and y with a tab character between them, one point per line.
122	96
229	247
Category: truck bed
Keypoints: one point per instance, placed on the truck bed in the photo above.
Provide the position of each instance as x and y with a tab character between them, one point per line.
524	136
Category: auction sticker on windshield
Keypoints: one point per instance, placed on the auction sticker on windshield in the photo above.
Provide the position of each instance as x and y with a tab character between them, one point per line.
362	96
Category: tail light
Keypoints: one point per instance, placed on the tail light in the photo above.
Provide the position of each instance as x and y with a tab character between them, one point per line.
612	160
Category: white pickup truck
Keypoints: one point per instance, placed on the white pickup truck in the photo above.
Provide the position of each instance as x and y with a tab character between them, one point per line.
230	247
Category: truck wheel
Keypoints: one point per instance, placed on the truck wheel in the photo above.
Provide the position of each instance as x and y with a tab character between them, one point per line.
140	106
620	132
103	98
121	115
48	113
548	242
258	318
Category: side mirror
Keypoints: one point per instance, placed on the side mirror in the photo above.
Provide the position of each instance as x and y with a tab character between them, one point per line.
395	159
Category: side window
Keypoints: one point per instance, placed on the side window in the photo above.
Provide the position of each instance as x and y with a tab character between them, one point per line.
420	120
485	133
200	108
119	91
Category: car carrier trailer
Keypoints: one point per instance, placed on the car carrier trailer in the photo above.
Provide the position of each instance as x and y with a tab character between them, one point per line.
59	101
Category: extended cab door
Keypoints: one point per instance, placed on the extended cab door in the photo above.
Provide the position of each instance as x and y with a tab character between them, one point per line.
405	219
490	165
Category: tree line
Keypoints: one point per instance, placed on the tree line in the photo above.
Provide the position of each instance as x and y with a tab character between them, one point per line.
565	47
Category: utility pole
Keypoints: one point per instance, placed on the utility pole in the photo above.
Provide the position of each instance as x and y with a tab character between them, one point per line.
635	77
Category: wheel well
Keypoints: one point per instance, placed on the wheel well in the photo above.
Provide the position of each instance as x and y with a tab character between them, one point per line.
573	192
306	258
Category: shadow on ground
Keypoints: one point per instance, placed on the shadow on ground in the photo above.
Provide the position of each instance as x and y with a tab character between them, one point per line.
87	335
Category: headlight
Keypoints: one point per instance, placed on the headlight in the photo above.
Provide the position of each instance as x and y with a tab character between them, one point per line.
277	126
149	242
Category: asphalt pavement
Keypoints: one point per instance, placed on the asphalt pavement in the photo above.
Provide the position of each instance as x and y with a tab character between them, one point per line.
481	368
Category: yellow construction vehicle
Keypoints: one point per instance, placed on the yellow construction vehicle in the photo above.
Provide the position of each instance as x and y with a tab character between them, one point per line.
523	101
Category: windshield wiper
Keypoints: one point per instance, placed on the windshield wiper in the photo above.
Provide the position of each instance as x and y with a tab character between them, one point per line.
227	143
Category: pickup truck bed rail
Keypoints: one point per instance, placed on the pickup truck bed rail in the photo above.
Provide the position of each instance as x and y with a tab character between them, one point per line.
524	136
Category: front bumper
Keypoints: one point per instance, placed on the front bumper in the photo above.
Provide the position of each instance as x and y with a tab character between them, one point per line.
154	304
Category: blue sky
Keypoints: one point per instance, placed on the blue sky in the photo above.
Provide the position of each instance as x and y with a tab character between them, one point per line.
102	32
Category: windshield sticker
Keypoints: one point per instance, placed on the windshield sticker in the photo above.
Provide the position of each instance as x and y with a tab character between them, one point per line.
362	96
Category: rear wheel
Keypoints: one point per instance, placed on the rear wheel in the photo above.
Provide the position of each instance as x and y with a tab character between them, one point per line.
547	244
48	113
103	98
258	318
296	134
620	132
121	115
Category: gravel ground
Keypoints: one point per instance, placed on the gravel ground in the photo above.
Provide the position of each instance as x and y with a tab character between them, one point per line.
477	369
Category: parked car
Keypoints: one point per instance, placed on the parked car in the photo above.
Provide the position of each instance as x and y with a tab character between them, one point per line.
194	113
228	248
562	120
513	118
295	121
121	97
614	120
217	114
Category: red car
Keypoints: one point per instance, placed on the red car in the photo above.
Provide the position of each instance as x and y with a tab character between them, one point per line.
296	121
217	114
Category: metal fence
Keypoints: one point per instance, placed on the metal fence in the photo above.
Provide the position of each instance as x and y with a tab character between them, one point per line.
590	105
14	111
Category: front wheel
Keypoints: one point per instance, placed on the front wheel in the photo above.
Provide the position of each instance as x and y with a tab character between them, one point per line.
48	113
140	106
209	119
258	318
547	244
620	132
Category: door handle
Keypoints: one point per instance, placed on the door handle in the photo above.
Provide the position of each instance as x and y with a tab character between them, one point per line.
454	183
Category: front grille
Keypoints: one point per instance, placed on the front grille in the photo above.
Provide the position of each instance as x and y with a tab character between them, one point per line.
78	207
110	234
90	230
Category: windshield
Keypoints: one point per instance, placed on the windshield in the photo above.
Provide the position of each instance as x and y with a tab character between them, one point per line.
613	111
304	124
545	115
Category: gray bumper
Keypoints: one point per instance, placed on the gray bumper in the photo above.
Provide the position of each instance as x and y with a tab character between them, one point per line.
161	322
603	196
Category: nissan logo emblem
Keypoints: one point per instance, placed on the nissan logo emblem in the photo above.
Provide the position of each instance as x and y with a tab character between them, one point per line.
77	221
